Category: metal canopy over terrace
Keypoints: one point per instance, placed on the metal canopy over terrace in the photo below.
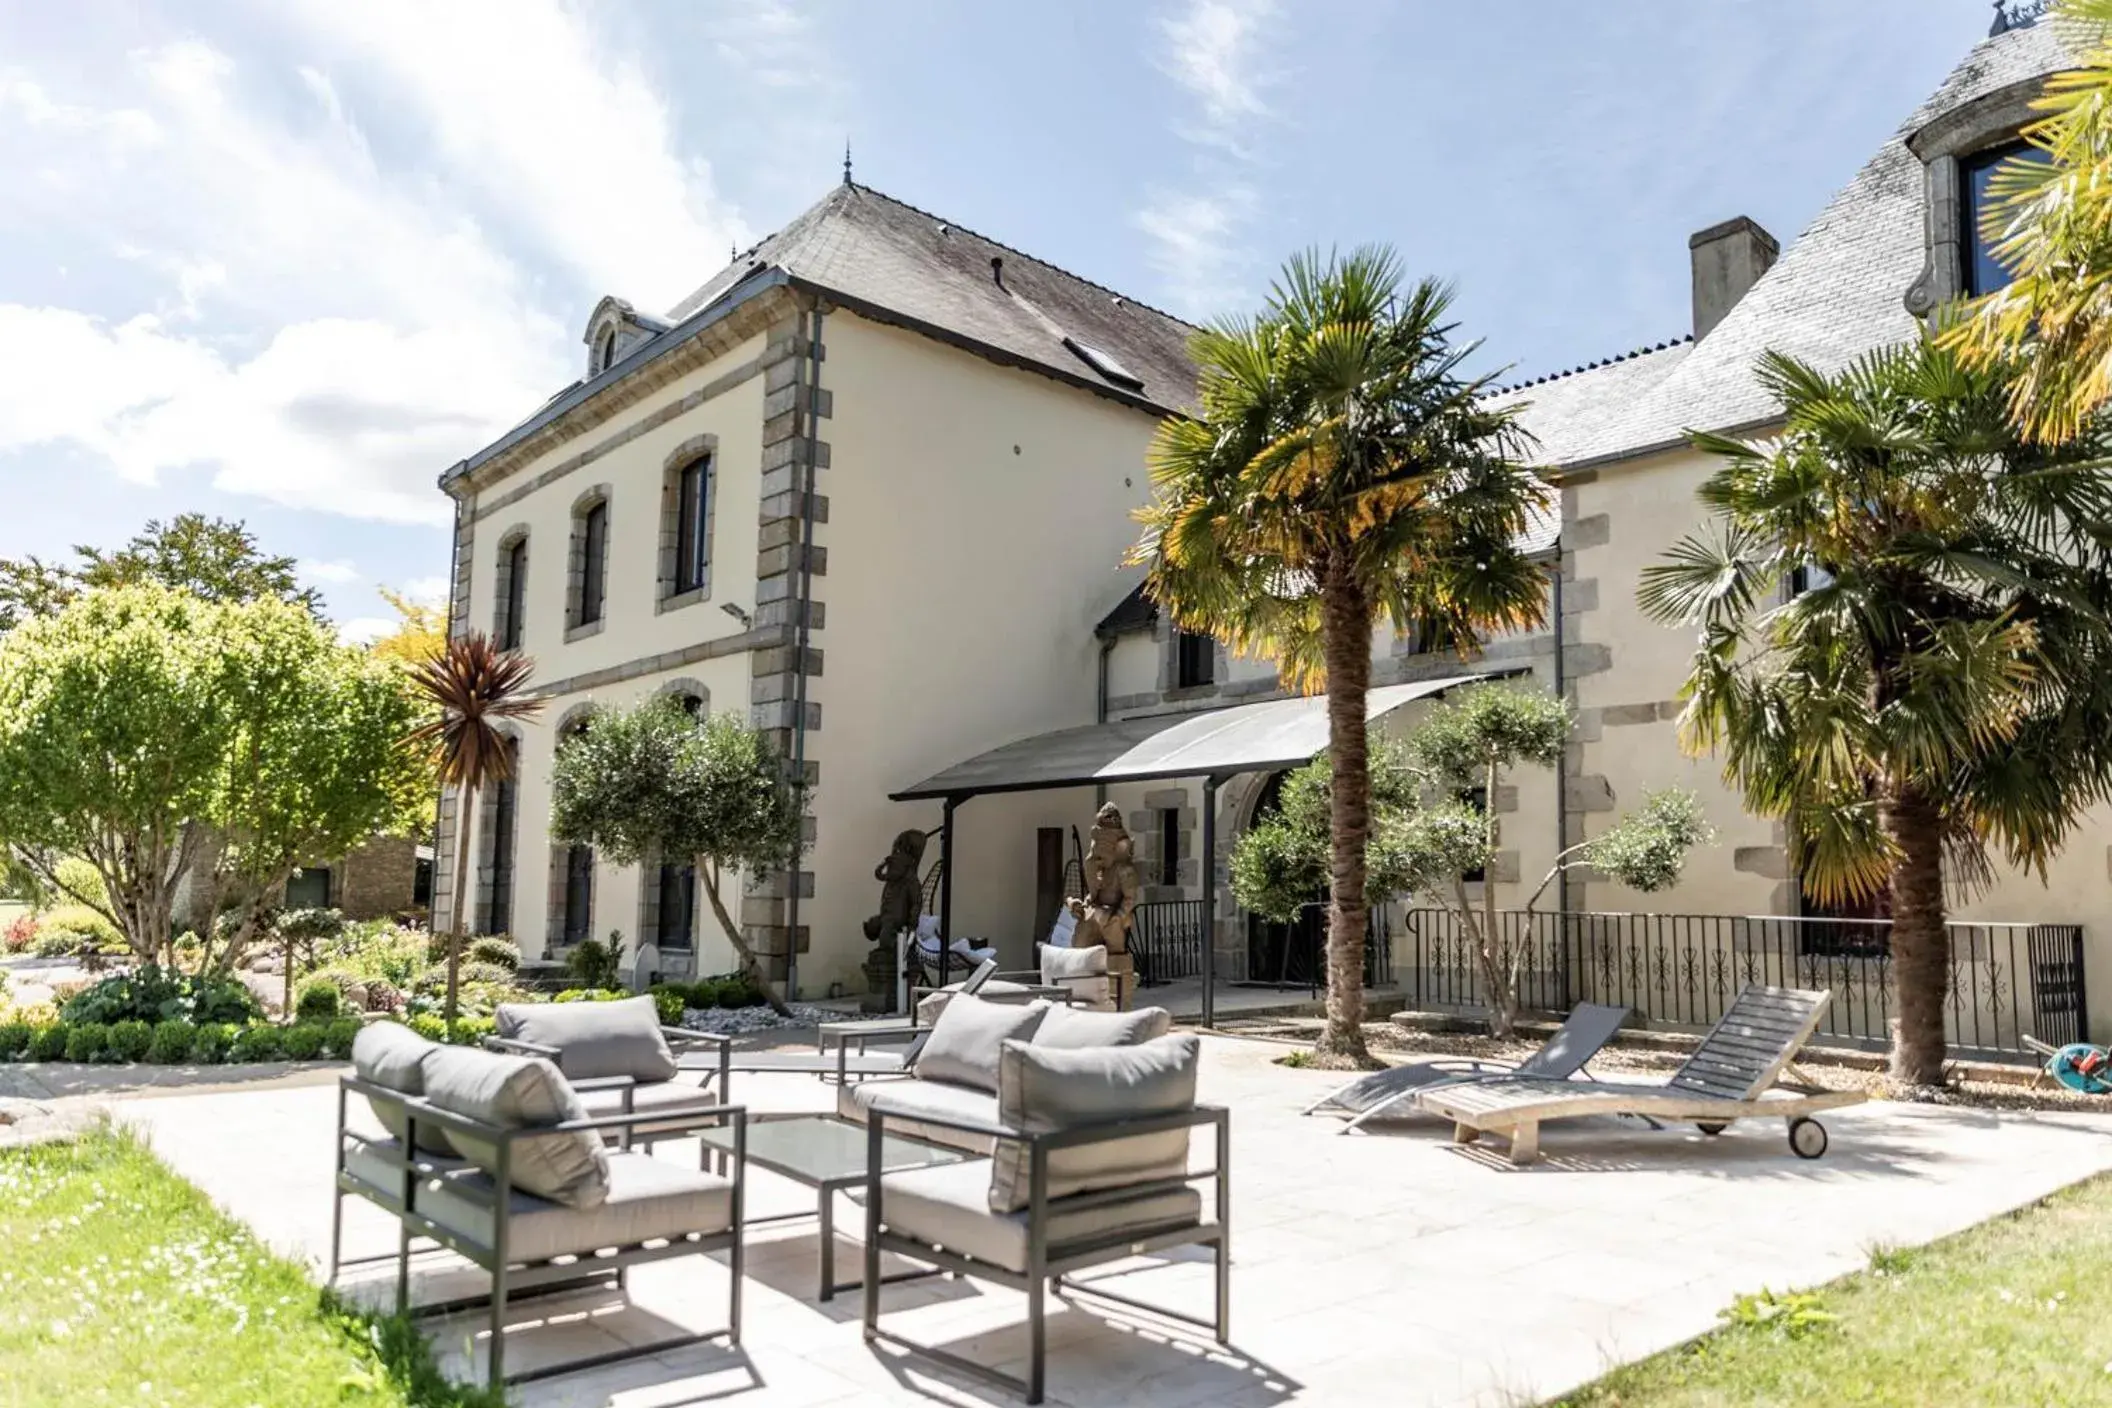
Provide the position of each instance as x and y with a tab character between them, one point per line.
1212	745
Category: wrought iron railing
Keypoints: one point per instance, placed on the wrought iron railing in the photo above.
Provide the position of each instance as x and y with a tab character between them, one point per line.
2007	981
1294	955
1167	942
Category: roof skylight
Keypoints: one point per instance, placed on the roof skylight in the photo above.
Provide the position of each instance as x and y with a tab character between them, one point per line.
1105	364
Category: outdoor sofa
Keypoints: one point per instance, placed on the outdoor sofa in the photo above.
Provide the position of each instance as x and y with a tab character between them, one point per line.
1734	1074
493	1156
954	1075
1090	1164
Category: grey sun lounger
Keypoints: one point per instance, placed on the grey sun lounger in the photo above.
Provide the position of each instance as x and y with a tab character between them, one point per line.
1582	1035
1734	1074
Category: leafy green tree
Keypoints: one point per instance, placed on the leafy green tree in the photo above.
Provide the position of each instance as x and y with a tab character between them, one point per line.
1341	469
653	782
1425	839
213	558
468	691
1938	685
2049	222
161	738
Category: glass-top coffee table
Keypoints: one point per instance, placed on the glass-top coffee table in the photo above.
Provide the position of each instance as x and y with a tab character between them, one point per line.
828	1154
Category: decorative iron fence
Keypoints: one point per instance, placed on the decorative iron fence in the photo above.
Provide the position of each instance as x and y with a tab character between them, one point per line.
1682	970
1167	941
1295	954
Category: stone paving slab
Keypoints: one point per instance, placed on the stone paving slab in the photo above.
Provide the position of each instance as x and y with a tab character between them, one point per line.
1389	1268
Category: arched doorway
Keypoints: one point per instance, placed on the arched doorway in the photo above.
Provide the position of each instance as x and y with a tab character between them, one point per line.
1287	954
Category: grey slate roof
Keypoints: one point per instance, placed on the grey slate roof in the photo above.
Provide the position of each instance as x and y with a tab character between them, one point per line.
1559	410
874	251
1836	294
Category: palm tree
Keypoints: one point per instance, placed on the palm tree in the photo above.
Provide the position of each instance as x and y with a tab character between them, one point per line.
1904	650
474	685
1340	468
2046	221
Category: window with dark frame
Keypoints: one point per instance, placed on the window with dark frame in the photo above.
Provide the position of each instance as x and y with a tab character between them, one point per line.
692	542
678	908
593	562
1984	272
1476	798
1170	846
578	917
608	350
1195	660
505	804
515	596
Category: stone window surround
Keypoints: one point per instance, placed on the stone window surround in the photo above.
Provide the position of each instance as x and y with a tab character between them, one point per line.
576	563
1989	120
1170	687
502	584
696	447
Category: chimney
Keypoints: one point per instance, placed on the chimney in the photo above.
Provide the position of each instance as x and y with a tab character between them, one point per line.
1728	259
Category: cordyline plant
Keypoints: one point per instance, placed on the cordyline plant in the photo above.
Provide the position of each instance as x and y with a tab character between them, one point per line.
1426	840
653	783
1905	618
475	686
1340	470
166	739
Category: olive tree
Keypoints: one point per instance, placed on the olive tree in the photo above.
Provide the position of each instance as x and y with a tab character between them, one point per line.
163	738
1429	834
652	782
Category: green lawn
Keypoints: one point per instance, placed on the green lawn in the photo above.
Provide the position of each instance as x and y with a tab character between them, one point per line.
121	1284
2015	1313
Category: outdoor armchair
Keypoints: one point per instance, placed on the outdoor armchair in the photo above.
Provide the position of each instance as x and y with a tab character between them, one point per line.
1090	1165
493	1201
620	1058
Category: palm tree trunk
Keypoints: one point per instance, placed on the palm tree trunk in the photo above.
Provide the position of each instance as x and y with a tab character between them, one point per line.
1346	627
460	918
1921	967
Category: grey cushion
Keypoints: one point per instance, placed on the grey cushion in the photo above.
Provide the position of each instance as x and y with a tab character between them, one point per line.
514	1092
1047	1088
594	1039
1081	971
671	1097
1070	1028
380	1163
964	1042
903	1100
947	1206
932	1004
647	1199
391	1055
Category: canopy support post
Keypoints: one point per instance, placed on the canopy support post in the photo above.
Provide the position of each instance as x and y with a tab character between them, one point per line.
946	891
1209	901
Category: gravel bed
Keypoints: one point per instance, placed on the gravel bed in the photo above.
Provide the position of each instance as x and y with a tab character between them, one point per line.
739	1021
1385	1037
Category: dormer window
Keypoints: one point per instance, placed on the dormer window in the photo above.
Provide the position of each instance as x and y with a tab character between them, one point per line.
1984	271
605	352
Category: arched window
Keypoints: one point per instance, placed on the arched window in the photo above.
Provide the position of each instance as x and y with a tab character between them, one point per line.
512	593
575	896
605	354
589	575
501	824
677	912
692	530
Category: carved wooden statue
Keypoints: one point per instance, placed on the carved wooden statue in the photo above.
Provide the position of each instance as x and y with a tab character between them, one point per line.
901	896
1109	905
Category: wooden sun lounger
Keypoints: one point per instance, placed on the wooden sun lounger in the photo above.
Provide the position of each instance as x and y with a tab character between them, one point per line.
1734	1074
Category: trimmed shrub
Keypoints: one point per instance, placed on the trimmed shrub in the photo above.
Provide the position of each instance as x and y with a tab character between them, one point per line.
492	949
210	1043
671	1002
338	1037
49	1044
258	1041
588	995
487	974
469	1031
19	935
154	994
319	1000
595	964
15	1038
129	1041
302	1042
87	1041
428	1025
75	928
738	990
172	1043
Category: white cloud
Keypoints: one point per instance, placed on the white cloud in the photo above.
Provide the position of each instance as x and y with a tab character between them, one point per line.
336	573
569	138
365	630
431	591
1212	49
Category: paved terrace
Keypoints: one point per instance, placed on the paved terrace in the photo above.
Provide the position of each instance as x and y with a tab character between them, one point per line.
1388	1269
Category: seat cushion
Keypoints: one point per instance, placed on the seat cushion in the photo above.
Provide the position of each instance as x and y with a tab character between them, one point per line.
515	1092
672	1097
1080	971
647	1199
965	1041
1048	1088
391	1055
933	1003
903	1100
594	1039
1070	1028
948	1206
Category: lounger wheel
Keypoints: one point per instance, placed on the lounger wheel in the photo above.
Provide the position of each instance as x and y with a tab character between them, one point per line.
1807	1137
1712	1128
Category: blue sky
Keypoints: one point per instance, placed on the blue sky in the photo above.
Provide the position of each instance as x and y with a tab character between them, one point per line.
287	261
